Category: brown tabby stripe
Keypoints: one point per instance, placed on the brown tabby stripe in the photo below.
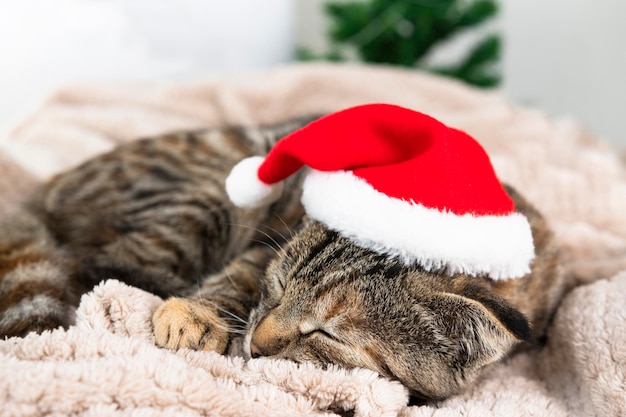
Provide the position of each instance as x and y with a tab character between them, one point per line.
33	289
13	262
152	212
36	314
28	289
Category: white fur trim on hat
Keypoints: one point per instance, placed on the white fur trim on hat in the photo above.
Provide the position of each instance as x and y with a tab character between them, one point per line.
498	246
246	190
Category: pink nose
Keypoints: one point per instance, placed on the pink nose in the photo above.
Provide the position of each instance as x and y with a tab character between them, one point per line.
255	352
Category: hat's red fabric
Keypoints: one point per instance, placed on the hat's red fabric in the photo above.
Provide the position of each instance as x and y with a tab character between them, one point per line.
401	153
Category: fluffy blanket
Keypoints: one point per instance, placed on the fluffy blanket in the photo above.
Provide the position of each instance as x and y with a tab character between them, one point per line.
107	363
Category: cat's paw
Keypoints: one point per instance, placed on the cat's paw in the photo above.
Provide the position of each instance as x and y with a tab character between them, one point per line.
186	323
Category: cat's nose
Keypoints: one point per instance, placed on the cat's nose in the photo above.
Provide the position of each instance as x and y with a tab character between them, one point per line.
260	346
272	336
255	352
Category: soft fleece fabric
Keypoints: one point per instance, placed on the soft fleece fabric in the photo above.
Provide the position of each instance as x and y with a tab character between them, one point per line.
108	365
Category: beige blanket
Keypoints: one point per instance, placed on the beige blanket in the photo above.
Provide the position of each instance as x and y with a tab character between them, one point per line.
107	363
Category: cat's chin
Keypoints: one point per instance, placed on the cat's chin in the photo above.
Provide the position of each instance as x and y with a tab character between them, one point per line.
245	346
237	348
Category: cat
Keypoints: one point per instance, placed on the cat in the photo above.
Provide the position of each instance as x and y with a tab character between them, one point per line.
154	213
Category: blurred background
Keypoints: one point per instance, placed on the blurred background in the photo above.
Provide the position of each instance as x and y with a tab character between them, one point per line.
564	57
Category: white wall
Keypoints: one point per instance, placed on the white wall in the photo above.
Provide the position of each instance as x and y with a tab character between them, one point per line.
568	57
45	44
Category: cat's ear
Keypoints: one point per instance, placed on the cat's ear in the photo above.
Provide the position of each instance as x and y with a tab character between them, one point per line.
458	334
483	326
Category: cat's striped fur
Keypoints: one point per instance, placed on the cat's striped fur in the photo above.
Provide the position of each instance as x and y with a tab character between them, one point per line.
154	214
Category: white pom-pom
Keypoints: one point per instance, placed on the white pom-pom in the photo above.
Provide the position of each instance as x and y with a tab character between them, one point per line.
246	190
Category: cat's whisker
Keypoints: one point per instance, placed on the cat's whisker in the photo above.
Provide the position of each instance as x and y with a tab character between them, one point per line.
278	232
261	242
289	229
256	229
233	331
236	325
232	315
281	252
236	330
199	290
230	278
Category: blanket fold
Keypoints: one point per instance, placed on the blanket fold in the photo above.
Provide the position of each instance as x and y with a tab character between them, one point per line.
108	361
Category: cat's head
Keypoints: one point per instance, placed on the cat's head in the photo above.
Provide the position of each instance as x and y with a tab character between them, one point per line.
326	300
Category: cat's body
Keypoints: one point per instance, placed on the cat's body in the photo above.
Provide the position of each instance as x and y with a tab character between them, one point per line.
154	213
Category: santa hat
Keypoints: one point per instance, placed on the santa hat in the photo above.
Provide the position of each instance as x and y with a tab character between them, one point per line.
400	183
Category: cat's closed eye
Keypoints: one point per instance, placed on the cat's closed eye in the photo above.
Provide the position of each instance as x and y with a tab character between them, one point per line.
317	333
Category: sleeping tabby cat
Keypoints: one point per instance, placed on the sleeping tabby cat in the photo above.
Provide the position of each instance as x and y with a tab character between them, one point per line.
154	214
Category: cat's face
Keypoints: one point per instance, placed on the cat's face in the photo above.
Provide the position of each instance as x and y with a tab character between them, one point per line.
325	300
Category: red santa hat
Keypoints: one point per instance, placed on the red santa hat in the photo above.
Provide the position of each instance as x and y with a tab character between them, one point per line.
400	183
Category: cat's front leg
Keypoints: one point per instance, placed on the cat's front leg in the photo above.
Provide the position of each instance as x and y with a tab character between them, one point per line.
190	323
218	312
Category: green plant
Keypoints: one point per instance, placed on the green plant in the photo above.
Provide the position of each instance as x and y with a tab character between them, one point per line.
403	32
